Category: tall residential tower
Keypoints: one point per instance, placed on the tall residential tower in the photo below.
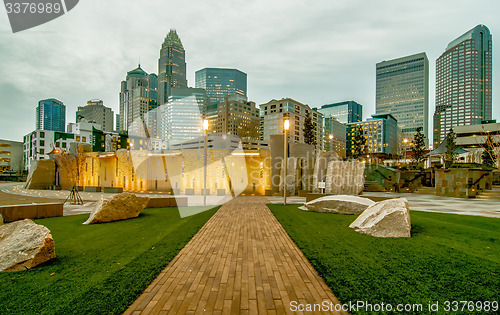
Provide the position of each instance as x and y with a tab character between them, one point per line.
171	66
403	91
51	115
463	82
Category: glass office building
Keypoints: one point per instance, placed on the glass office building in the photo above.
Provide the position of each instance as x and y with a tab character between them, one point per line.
463	82
181	119
345	112
403	91
220	82
51	115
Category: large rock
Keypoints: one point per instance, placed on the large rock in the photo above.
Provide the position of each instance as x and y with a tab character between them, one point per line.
24	245
118	207
343	204
388	218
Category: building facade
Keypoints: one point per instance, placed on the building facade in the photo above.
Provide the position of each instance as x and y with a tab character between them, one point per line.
345	112
96	112
11	155
220	82
235	115
39	143
463	83
274	112
181	119
402	90
51	115
171	66
138	103
334	137
380	132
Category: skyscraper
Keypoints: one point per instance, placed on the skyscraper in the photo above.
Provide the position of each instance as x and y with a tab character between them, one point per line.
219	82
345	112
139	100
181	119
463	82
51	115
403	91
96	112
171	66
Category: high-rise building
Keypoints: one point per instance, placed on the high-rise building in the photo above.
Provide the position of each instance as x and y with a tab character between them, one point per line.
51	115
334	136
171	66
381	134
181	119
219	82
345	112
463	82
96	112
274	112
139	100
403	91
235	115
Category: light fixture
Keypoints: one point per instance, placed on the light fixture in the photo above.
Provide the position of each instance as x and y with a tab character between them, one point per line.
205	124
287	124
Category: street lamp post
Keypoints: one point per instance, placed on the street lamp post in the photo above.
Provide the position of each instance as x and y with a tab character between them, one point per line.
205	128
331	141
285	155
406	148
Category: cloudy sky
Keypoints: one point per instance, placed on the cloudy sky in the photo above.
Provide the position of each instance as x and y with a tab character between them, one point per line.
317	52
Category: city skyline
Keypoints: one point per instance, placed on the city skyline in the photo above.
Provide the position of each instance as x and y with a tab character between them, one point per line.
89	60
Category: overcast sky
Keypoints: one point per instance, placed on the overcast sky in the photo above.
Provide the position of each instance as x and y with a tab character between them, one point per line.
317	52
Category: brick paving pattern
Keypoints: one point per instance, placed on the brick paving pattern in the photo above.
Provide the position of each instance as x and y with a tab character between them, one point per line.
241	262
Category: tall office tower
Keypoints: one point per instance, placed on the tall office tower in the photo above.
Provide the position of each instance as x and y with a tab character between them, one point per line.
219	82
403	91
96	112
51	115
334	136
274	112
181	119
171	66
235	115
138	102
346	112
463	82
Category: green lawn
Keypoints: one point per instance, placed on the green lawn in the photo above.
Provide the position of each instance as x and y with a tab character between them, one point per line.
449	257
100	268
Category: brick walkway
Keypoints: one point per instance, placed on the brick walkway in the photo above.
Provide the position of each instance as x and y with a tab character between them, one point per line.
242	261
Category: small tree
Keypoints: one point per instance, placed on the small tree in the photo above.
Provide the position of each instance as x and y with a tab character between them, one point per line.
309	130
359	142
450	155
489	157
418	144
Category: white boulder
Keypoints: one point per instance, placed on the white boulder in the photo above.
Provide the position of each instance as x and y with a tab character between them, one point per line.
24	245
117	207
388	218
343	204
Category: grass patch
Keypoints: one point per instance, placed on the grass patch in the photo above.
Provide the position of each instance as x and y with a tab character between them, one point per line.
100	268
448	258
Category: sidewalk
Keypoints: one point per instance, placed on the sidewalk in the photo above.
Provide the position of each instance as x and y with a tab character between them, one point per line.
241	261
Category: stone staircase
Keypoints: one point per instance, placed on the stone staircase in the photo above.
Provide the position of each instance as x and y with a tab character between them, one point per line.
493	194
371	185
